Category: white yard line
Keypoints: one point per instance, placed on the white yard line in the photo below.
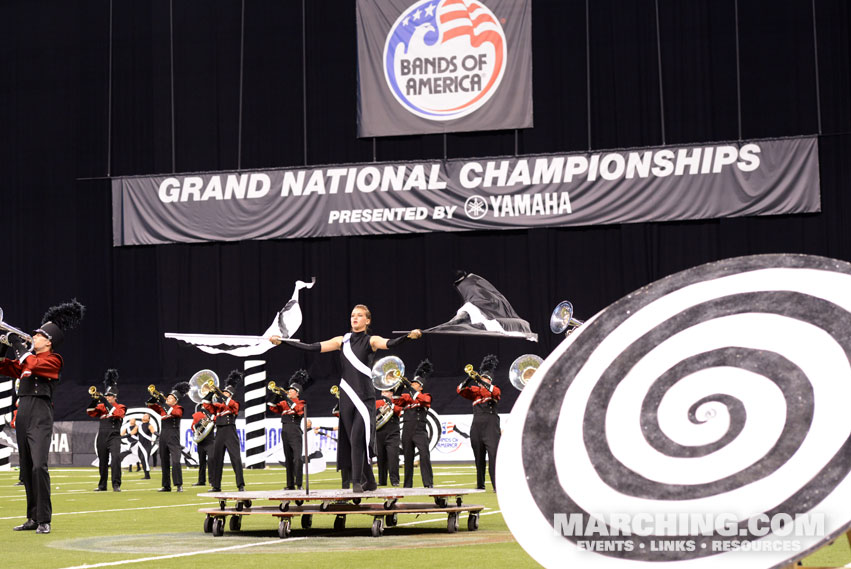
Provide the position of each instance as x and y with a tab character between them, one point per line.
463	514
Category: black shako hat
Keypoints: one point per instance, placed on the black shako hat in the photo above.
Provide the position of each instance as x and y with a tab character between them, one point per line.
488	366
110	382
424	370
58	319
298	379
180	389
233	382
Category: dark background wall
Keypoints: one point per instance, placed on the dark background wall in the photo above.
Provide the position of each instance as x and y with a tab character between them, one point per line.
95	88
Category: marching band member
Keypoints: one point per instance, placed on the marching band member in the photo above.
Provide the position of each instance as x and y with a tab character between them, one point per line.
291	410
415	406
170	447
147	438
110	414
387	441
205	447
38	369
131	432
357	394
225	408
484	433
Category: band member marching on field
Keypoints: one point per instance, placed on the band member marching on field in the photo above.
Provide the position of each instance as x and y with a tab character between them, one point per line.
110	413
225	408
170	447
38	369
356	444
387	439
484	433
291	409
415	406
205	445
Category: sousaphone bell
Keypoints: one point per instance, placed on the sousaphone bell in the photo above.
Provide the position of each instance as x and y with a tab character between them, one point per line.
388	373
522	369
562	320
201	383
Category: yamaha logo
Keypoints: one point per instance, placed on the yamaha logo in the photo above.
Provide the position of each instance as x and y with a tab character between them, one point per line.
444	59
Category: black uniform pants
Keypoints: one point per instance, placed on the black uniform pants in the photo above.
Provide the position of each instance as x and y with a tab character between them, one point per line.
226	440
109	450
484	438
291	439
205	458
387	441
415	436
170	453
34	427
352	439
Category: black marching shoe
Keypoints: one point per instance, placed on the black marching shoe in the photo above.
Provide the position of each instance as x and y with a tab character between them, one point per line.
26	526
357	488
116	488
180	488
241	489
200	484
19	483
215	489
147	476
164	489
370	486
99	489
43	528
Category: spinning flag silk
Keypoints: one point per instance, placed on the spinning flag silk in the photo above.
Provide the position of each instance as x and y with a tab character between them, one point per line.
285	324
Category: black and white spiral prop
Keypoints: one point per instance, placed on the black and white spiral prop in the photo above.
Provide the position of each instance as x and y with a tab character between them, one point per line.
700	421
255	413
7	387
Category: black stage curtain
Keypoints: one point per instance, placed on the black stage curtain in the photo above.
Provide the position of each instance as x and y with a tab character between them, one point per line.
166	97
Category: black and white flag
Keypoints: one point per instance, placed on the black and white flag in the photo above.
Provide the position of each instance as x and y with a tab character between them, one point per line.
485	312
285	324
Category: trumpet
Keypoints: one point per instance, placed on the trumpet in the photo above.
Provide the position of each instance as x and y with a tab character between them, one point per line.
273	387
95	394
211	386
335	391
474	375
8	329
152	389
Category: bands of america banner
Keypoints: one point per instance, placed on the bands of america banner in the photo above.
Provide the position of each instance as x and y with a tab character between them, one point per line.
759	177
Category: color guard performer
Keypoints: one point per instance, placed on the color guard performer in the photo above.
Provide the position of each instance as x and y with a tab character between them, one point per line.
484	433
225	409
170	447
291	410
110	413
387	439
356	444
147	437
205	446
38	369
415	406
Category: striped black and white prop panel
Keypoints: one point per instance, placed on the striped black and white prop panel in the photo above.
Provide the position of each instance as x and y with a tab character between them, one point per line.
7	388
255	413
700	421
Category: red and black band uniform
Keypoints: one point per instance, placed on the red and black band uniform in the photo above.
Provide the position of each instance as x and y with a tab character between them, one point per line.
485	432
205	450
292	413
170	448
227	439
108	442
39	375
415	435
387	443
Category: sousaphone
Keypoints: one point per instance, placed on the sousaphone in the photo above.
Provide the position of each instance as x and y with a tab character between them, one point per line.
522	369
199	384
562	320
388	373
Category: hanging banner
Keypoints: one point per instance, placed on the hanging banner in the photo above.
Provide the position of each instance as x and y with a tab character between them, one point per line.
433	66
767	177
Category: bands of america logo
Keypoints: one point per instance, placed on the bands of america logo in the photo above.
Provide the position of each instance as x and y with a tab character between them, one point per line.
700	420
443	59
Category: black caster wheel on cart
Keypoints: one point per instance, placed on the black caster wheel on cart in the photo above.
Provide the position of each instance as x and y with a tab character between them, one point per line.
377	527
355	501
339	523
284	528
307	521
390	520
219	527
441	502
459	501
222	504
208	524
452	522
473	521
299	502
235	523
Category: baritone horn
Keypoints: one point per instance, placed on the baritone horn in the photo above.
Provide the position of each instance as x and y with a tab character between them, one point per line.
562	320
388	373
8	329
199	384
522	369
